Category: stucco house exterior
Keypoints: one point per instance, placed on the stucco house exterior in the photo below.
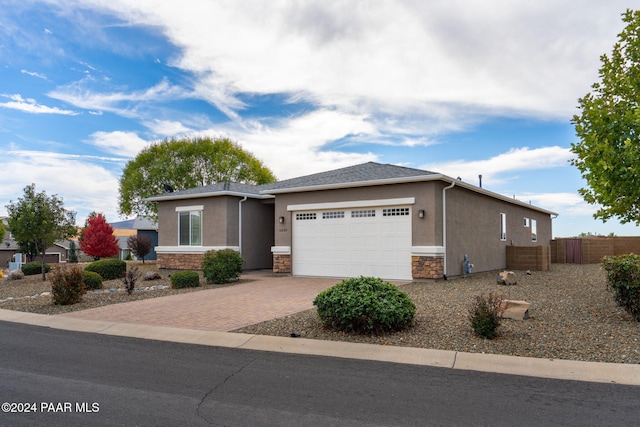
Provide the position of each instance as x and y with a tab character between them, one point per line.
371	219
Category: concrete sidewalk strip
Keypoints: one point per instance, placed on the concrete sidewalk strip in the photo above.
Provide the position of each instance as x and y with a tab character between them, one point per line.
526	366
600	372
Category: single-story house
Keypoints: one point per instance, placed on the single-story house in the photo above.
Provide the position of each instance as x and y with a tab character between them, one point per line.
370	219
147	227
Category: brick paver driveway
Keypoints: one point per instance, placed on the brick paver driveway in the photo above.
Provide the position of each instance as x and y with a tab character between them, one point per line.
265	297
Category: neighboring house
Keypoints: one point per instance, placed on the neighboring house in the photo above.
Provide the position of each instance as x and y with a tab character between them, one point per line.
371	219
149	228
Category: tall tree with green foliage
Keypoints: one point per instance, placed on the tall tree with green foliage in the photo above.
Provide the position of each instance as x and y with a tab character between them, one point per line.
36	221
608	153
179	164
3	229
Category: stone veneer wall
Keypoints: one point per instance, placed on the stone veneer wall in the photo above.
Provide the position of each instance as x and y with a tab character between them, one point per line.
281	263
427	267
180	261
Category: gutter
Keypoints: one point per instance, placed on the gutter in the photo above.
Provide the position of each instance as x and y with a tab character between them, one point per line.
240	224
444	226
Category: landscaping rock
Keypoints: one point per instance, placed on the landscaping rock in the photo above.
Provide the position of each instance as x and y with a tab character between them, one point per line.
507	278
516	310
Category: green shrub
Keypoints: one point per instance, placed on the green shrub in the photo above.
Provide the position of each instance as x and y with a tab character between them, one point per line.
67	285
185	279
108	269
222	266
34	267
365	305
484	315
92	280
623	279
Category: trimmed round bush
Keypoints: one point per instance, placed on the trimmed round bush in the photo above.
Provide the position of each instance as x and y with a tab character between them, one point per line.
185	279
34	267
108	269
222	266
92	280
365	305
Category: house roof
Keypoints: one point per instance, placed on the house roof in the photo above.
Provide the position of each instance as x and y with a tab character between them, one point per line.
142	223
218	189
362	175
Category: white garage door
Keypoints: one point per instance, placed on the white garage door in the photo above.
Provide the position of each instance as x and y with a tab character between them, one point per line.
371	241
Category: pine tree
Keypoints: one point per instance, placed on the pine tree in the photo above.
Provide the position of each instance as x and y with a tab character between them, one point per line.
73	252
97	239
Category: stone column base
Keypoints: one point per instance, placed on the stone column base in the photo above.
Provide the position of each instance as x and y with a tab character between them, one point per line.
180	261
281	263
427	267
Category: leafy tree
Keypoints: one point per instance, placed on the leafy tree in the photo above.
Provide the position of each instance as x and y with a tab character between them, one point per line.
3	229
140	245
97	239
185	163
36	221
608	153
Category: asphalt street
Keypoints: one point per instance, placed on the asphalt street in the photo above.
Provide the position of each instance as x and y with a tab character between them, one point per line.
64	378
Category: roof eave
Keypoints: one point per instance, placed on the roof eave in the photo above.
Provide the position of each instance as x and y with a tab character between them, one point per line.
403	180
168	197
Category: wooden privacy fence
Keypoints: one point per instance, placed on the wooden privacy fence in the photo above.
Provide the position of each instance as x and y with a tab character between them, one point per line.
590	250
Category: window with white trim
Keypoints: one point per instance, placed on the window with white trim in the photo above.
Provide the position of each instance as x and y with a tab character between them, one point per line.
333	215
365	213
534	230
190	228
395	211
305	216
525	222
503	226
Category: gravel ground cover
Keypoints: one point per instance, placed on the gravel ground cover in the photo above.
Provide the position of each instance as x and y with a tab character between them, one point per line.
572	316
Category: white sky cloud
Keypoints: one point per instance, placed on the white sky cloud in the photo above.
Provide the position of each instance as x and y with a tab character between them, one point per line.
83	185
30	105
125	144
494	168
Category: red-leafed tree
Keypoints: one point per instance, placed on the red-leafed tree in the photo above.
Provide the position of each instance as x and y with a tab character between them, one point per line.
97	239
140	245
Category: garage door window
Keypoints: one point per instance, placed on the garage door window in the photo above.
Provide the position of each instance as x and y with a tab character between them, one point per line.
333	215
363	213
305	216
395	212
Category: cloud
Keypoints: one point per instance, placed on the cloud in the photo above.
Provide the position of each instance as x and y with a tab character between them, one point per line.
30	105
516	159
303	138
125	144
34	74
168	128
124	103
394	55
83	185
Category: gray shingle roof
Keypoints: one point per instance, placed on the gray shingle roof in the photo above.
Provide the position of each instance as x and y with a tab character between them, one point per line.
359	173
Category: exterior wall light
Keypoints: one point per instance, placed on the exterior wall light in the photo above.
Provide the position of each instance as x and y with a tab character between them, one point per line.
281	220
421	213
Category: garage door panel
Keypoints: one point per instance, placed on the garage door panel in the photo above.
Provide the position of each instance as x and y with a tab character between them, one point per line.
352	243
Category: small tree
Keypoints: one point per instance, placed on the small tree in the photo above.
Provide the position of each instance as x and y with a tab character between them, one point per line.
36	221
140	245
73	252
97	239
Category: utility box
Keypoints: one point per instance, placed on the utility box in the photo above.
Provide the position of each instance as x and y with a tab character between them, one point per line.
16	264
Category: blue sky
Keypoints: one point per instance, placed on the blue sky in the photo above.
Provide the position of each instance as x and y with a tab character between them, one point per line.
458	87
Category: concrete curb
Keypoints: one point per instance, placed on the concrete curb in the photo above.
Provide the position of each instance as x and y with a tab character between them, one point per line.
527	366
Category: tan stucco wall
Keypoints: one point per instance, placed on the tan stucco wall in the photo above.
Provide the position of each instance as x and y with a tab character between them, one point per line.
426	231
473	228
220	226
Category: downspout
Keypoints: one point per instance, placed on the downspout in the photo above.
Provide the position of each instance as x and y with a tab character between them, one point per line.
240	224
444	226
